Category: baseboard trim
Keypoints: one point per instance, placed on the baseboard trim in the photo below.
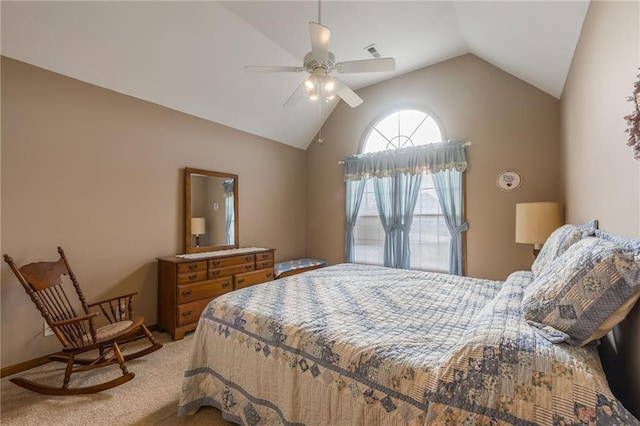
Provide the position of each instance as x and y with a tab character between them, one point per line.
28	365
23	366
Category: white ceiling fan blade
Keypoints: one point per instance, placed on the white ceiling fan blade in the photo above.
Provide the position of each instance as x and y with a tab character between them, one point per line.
297	95
367	65
320	36
347	95
272	69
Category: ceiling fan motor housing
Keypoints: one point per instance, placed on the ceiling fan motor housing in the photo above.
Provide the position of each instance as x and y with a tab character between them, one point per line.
312	63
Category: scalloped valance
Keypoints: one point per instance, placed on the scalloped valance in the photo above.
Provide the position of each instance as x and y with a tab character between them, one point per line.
429	158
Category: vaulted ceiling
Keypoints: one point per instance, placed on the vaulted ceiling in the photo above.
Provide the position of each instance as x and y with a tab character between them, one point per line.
189	56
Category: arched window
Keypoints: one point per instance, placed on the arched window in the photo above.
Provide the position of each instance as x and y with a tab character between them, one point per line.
429	235
402	129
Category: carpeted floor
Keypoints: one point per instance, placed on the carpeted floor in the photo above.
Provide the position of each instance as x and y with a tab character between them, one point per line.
151	398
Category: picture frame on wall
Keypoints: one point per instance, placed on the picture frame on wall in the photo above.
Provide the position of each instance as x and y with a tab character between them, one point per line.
509	180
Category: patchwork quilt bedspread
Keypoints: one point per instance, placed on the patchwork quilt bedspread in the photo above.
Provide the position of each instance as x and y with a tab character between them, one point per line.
363	345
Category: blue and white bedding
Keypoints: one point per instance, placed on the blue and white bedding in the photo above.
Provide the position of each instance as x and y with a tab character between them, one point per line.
362	345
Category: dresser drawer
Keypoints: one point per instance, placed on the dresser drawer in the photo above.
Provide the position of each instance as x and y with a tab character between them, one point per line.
264	264
265	256
251	278
191	292
228	261
230	270
192	277
190	312
192	267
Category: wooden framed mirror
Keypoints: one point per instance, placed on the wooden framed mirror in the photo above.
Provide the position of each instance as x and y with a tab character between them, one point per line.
211	210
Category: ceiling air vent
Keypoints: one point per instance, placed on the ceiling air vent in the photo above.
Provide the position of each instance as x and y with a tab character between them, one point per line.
373	51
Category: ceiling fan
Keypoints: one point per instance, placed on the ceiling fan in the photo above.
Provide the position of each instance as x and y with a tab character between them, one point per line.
320	63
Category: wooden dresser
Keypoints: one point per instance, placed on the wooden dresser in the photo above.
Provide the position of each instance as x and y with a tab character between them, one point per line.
186	283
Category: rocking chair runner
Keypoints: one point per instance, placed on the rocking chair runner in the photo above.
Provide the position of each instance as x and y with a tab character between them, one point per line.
78	333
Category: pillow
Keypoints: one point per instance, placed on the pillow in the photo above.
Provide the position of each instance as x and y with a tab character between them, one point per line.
620	314
557	243
634	246
581	290
628	243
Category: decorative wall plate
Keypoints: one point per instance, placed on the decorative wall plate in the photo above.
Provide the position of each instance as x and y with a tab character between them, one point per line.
509	180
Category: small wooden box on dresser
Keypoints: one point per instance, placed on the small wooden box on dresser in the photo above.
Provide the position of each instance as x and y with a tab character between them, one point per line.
187	283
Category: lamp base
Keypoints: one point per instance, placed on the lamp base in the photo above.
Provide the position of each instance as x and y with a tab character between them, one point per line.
536	250
197	241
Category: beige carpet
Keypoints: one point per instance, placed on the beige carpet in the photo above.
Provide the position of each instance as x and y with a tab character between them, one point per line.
151	398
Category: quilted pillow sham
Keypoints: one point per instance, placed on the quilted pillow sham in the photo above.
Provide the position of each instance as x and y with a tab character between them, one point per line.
581	290
628	243
557	243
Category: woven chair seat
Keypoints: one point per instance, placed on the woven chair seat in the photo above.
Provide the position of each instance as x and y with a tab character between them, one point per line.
110	330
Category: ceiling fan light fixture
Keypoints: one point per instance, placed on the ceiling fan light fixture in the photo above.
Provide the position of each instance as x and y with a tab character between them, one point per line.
310	83
320	62
329	84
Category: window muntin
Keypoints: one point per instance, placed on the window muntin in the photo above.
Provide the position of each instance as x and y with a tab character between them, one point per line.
402	129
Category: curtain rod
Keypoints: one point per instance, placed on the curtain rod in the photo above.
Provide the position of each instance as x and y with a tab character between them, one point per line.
468	143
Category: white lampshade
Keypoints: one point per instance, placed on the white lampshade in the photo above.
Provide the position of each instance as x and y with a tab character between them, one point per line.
536	221
197	226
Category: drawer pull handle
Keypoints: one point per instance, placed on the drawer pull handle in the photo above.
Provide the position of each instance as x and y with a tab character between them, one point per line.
186	292
193	266
215	273
216	263
186	314
193	276
248	258
226	284
248	267
269	274
241	281
265	256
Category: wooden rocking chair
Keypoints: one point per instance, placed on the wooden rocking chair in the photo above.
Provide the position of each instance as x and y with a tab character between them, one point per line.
78	333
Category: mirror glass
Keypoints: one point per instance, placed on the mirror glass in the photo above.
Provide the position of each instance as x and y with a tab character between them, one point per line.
211	210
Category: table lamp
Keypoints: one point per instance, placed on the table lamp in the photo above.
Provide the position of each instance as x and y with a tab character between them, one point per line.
197	228
535	222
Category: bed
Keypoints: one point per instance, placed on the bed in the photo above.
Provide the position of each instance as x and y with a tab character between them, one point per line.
353	344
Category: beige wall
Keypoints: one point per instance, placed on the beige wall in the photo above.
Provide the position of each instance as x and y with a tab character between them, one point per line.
100	174
511	124
600	177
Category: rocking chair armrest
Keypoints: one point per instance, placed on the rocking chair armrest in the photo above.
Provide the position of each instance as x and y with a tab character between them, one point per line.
116	308
124	296
89	317
76	332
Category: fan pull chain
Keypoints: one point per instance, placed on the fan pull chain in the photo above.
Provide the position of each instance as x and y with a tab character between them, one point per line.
320	138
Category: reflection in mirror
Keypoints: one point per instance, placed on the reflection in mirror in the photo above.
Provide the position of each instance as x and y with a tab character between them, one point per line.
211	201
